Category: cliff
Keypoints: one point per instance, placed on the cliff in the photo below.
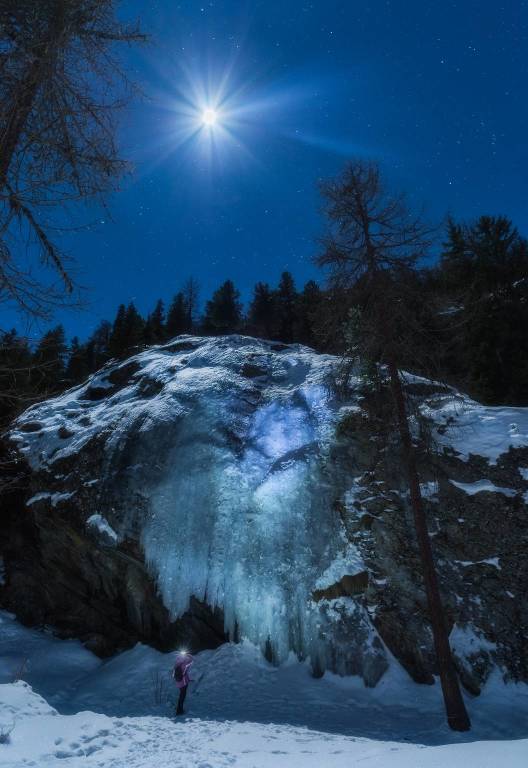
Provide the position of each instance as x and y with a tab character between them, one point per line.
218	488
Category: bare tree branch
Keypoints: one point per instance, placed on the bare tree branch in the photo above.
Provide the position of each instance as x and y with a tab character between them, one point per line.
61	87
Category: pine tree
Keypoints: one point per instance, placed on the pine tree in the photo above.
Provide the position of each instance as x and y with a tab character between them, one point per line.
128	332
483	273
155	325
307	313
77	367
49	361
285	300
97	348
15	375
134	330
486	255
191	293
223	313
118	338
260	313
177	317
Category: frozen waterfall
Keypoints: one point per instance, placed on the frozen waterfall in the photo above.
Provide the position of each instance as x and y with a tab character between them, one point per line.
217	455
243	518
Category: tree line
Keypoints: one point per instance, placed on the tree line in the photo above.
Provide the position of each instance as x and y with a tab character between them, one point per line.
473	300
52	365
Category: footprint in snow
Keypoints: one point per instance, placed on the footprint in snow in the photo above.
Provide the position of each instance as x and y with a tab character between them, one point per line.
90	750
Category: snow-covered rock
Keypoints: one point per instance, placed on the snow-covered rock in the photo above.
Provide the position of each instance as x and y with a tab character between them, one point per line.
217	488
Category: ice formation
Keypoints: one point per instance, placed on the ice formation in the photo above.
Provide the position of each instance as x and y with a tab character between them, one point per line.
102	526
230	460
218	455
242	519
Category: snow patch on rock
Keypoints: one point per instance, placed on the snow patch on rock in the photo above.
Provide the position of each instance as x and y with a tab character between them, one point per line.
493	561
54	498
465	426
103	527
346	563
480	486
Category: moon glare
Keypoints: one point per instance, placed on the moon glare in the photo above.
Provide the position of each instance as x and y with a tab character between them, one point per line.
209	117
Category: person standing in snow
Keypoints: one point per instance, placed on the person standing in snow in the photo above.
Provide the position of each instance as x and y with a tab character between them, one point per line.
181	677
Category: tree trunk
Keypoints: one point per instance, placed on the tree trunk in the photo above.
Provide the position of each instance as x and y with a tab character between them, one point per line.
457	716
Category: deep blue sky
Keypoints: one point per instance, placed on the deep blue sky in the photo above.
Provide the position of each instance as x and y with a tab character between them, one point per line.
437	91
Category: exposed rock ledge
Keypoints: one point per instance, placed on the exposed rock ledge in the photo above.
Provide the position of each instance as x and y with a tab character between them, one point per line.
213	488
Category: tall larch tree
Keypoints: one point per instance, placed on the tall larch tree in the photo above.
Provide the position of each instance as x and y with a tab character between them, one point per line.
372	241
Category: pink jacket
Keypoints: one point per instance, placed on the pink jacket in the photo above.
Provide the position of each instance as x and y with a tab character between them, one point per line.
184	662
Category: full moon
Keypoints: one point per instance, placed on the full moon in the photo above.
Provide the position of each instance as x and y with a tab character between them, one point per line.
209	117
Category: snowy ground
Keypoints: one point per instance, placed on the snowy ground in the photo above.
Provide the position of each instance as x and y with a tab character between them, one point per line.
242	712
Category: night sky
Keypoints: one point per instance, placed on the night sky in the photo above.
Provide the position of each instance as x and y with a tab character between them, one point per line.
436	91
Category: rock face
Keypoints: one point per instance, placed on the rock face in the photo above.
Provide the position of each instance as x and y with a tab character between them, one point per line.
218	488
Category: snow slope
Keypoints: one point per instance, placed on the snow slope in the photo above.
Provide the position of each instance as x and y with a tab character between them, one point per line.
242	712
476	429
41	737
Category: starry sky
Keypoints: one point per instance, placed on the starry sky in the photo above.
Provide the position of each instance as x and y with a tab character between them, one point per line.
435	91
